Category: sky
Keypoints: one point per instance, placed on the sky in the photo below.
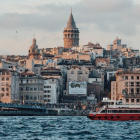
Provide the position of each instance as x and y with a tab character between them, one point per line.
99	21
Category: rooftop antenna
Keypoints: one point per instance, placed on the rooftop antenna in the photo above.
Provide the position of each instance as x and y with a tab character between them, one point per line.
71	9
34	35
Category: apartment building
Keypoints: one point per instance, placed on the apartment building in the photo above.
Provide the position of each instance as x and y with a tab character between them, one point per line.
9	86
31	88
127	86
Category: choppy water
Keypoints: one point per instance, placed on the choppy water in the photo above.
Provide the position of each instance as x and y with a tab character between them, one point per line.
66	128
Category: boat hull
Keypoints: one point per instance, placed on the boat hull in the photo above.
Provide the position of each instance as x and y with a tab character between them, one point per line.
115	117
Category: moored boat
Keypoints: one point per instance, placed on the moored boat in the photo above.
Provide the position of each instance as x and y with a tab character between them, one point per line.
116	111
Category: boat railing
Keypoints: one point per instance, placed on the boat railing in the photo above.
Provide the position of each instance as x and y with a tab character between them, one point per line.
124	106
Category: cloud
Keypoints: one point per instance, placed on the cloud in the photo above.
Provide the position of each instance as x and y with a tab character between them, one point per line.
107	17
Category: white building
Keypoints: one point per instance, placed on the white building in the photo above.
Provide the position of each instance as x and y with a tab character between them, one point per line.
51	90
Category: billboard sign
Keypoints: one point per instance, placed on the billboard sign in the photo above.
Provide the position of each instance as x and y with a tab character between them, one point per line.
78	88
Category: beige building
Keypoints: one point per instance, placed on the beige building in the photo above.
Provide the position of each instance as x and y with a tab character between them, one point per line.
116	45
31	88
71	34
78	74
102	61
126	87
9	86
86	57
57	50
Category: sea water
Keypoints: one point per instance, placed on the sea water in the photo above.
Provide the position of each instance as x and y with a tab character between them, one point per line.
66	128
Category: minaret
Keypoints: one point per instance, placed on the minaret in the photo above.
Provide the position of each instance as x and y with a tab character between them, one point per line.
71	33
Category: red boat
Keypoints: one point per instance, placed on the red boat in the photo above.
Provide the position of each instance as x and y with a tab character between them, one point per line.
116	111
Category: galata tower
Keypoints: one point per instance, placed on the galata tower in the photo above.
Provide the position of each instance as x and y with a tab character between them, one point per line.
71	33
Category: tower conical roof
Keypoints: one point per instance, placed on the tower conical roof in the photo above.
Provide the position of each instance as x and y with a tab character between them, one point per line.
71	23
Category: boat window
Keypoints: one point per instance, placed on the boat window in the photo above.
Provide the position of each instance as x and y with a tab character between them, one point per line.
109	111
99	117
132	111
103	111
127	111
114	111
120	111
118	117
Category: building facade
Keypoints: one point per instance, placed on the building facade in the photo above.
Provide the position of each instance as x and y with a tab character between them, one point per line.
78	74
9	86
31	88
51	90
126	87
116	45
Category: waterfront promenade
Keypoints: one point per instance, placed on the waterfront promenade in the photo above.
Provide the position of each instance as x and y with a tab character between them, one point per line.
42	109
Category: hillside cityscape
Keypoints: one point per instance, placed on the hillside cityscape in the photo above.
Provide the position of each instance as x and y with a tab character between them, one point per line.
73	74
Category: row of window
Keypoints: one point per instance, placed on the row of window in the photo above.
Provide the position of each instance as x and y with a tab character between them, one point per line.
132	100
137	90
48	96
31	81
47	91
7	94
47	100
47	86
132	77
120	111
4	73
71	36
5	78
32	89
27	97
132	83
3	89
80	72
